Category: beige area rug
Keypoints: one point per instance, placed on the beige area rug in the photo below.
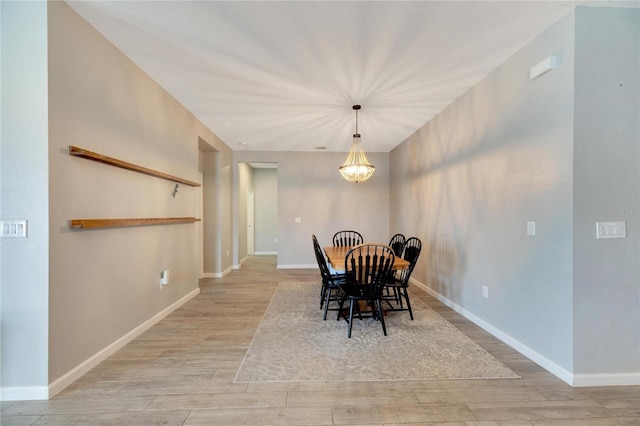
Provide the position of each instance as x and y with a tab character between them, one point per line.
293	343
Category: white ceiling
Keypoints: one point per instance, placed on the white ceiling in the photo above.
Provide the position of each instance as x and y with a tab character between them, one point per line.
283	76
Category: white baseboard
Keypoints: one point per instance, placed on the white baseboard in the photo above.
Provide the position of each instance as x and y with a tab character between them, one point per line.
577	380
614	379
216	274
73	375
265	253
24	393
304	266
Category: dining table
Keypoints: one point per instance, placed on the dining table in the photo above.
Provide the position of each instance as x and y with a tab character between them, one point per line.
336	256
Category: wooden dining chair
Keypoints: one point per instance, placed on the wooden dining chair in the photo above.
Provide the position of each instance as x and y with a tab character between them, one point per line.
397	244
347	239
330	282
368	268
396	288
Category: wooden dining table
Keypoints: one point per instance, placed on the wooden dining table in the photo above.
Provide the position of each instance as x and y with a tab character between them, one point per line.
336	256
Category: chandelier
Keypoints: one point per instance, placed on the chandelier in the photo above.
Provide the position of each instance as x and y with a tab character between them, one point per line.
356	167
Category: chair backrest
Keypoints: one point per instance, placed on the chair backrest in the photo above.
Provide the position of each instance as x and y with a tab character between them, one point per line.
412	249
347	239
397	244
322	261
369	265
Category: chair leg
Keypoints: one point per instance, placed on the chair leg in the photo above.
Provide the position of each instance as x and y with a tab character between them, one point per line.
406	296
342	299
380	315
351	302
398	295
328	292
322	293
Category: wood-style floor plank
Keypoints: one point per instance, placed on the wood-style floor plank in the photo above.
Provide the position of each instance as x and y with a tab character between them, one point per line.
181	371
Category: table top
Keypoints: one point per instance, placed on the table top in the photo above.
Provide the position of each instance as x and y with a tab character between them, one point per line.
336	257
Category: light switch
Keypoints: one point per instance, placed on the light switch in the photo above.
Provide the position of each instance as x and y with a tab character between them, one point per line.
611	230
298	220
13	228
531	228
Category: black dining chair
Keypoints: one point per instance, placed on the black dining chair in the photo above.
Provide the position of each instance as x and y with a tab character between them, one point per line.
398	284
330	282
397	244
368	268
347	239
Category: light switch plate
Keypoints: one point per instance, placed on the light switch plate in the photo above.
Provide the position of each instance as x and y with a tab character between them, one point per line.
611	230
13	228
531	228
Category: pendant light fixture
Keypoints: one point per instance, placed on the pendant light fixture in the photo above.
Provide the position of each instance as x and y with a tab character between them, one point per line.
356	167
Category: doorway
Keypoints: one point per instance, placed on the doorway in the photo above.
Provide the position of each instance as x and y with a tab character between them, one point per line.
257	214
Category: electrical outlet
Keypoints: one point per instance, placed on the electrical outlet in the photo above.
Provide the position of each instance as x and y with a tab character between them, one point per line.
485	291
531	229
164	278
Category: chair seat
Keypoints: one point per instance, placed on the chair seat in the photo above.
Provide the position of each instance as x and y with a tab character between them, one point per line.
395	282
336	280
339	277
352	290
332	286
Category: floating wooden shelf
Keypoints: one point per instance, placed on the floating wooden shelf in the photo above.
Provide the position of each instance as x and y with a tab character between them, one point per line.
83	153
112	223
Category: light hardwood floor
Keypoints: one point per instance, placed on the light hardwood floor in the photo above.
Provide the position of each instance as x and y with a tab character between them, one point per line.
180	372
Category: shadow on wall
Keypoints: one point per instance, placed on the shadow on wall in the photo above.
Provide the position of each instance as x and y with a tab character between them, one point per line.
446	265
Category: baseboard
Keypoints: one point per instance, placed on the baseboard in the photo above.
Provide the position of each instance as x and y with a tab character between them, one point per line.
239	264
576	380
303	266
265	253
73	375
614	379
24	393
216	274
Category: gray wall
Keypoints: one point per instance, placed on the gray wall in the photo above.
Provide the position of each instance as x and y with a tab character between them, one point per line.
311	188
509	151
606	284
215	160
265	183
112	274
498	157
210	206
24	194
